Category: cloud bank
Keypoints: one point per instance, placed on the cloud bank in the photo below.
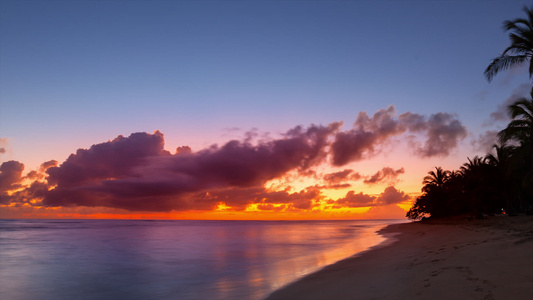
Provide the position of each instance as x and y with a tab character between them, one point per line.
441	132
136	173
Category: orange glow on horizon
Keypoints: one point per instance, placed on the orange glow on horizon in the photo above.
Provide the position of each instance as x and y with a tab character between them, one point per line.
222	213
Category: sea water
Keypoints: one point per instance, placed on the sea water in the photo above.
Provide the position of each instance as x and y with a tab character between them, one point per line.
137	259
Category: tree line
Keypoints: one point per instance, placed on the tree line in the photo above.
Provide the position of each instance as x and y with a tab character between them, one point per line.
501	181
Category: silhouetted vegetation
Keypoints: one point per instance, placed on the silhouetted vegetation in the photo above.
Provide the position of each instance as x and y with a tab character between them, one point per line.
521	48
503	179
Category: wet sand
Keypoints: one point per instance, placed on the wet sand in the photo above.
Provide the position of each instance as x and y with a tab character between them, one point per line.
447	259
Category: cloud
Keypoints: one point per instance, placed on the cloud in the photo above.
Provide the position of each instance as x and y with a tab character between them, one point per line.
501	112
441	132
136	173
387	174
354	200
29	195
389	196
485	141
41	173
110	160
11	181
10	175
337	177
367	134
239	198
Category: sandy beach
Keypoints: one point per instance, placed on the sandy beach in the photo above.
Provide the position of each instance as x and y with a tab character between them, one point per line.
447	259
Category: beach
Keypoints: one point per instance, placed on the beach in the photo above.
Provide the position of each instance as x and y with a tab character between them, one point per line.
456	258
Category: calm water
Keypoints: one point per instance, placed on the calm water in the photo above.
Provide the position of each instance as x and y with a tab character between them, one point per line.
117	259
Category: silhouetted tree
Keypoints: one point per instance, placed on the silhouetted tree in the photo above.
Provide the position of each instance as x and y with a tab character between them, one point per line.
518	136
434	199
435	179
521	48
500	160
504	178
520	129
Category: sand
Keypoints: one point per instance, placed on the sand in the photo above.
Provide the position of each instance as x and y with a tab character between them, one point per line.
448	259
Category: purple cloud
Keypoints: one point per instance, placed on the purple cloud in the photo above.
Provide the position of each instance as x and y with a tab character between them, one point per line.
386	174
441	131
10	175
136	173
389	196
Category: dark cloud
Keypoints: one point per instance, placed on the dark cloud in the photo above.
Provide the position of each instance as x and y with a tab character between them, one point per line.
106	161
136	173
337	177
29	195
414	122
355	200
443	134
387	174
271	207
11	180
441	131
183	150
41	173
389	196
336	186
10	175
367	133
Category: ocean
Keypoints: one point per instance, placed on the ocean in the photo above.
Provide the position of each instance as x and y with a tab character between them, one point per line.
139	259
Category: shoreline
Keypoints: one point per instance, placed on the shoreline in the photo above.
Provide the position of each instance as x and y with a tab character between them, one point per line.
435	259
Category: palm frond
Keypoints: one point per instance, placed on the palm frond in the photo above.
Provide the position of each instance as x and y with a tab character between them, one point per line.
522	108
516	24
519	45
502	63
521	48
519	26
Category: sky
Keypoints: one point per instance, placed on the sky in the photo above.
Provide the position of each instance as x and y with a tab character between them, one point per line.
243	109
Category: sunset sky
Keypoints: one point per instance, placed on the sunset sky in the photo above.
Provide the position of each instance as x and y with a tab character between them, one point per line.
243	109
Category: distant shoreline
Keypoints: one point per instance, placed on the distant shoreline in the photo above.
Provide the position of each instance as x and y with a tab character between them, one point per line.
435	259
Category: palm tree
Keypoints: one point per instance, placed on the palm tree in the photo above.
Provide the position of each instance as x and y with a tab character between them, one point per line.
521	48
473	165
520	129
500	157
518	136
435	178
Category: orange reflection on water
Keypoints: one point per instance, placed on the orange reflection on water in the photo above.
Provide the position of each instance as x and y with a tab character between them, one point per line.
292	253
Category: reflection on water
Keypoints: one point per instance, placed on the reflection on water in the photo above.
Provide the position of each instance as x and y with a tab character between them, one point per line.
124	259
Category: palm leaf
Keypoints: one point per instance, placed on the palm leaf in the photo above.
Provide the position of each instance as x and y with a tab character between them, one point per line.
521	48
503	62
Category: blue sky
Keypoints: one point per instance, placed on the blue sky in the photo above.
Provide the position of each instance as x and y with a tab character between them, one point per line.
77	73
